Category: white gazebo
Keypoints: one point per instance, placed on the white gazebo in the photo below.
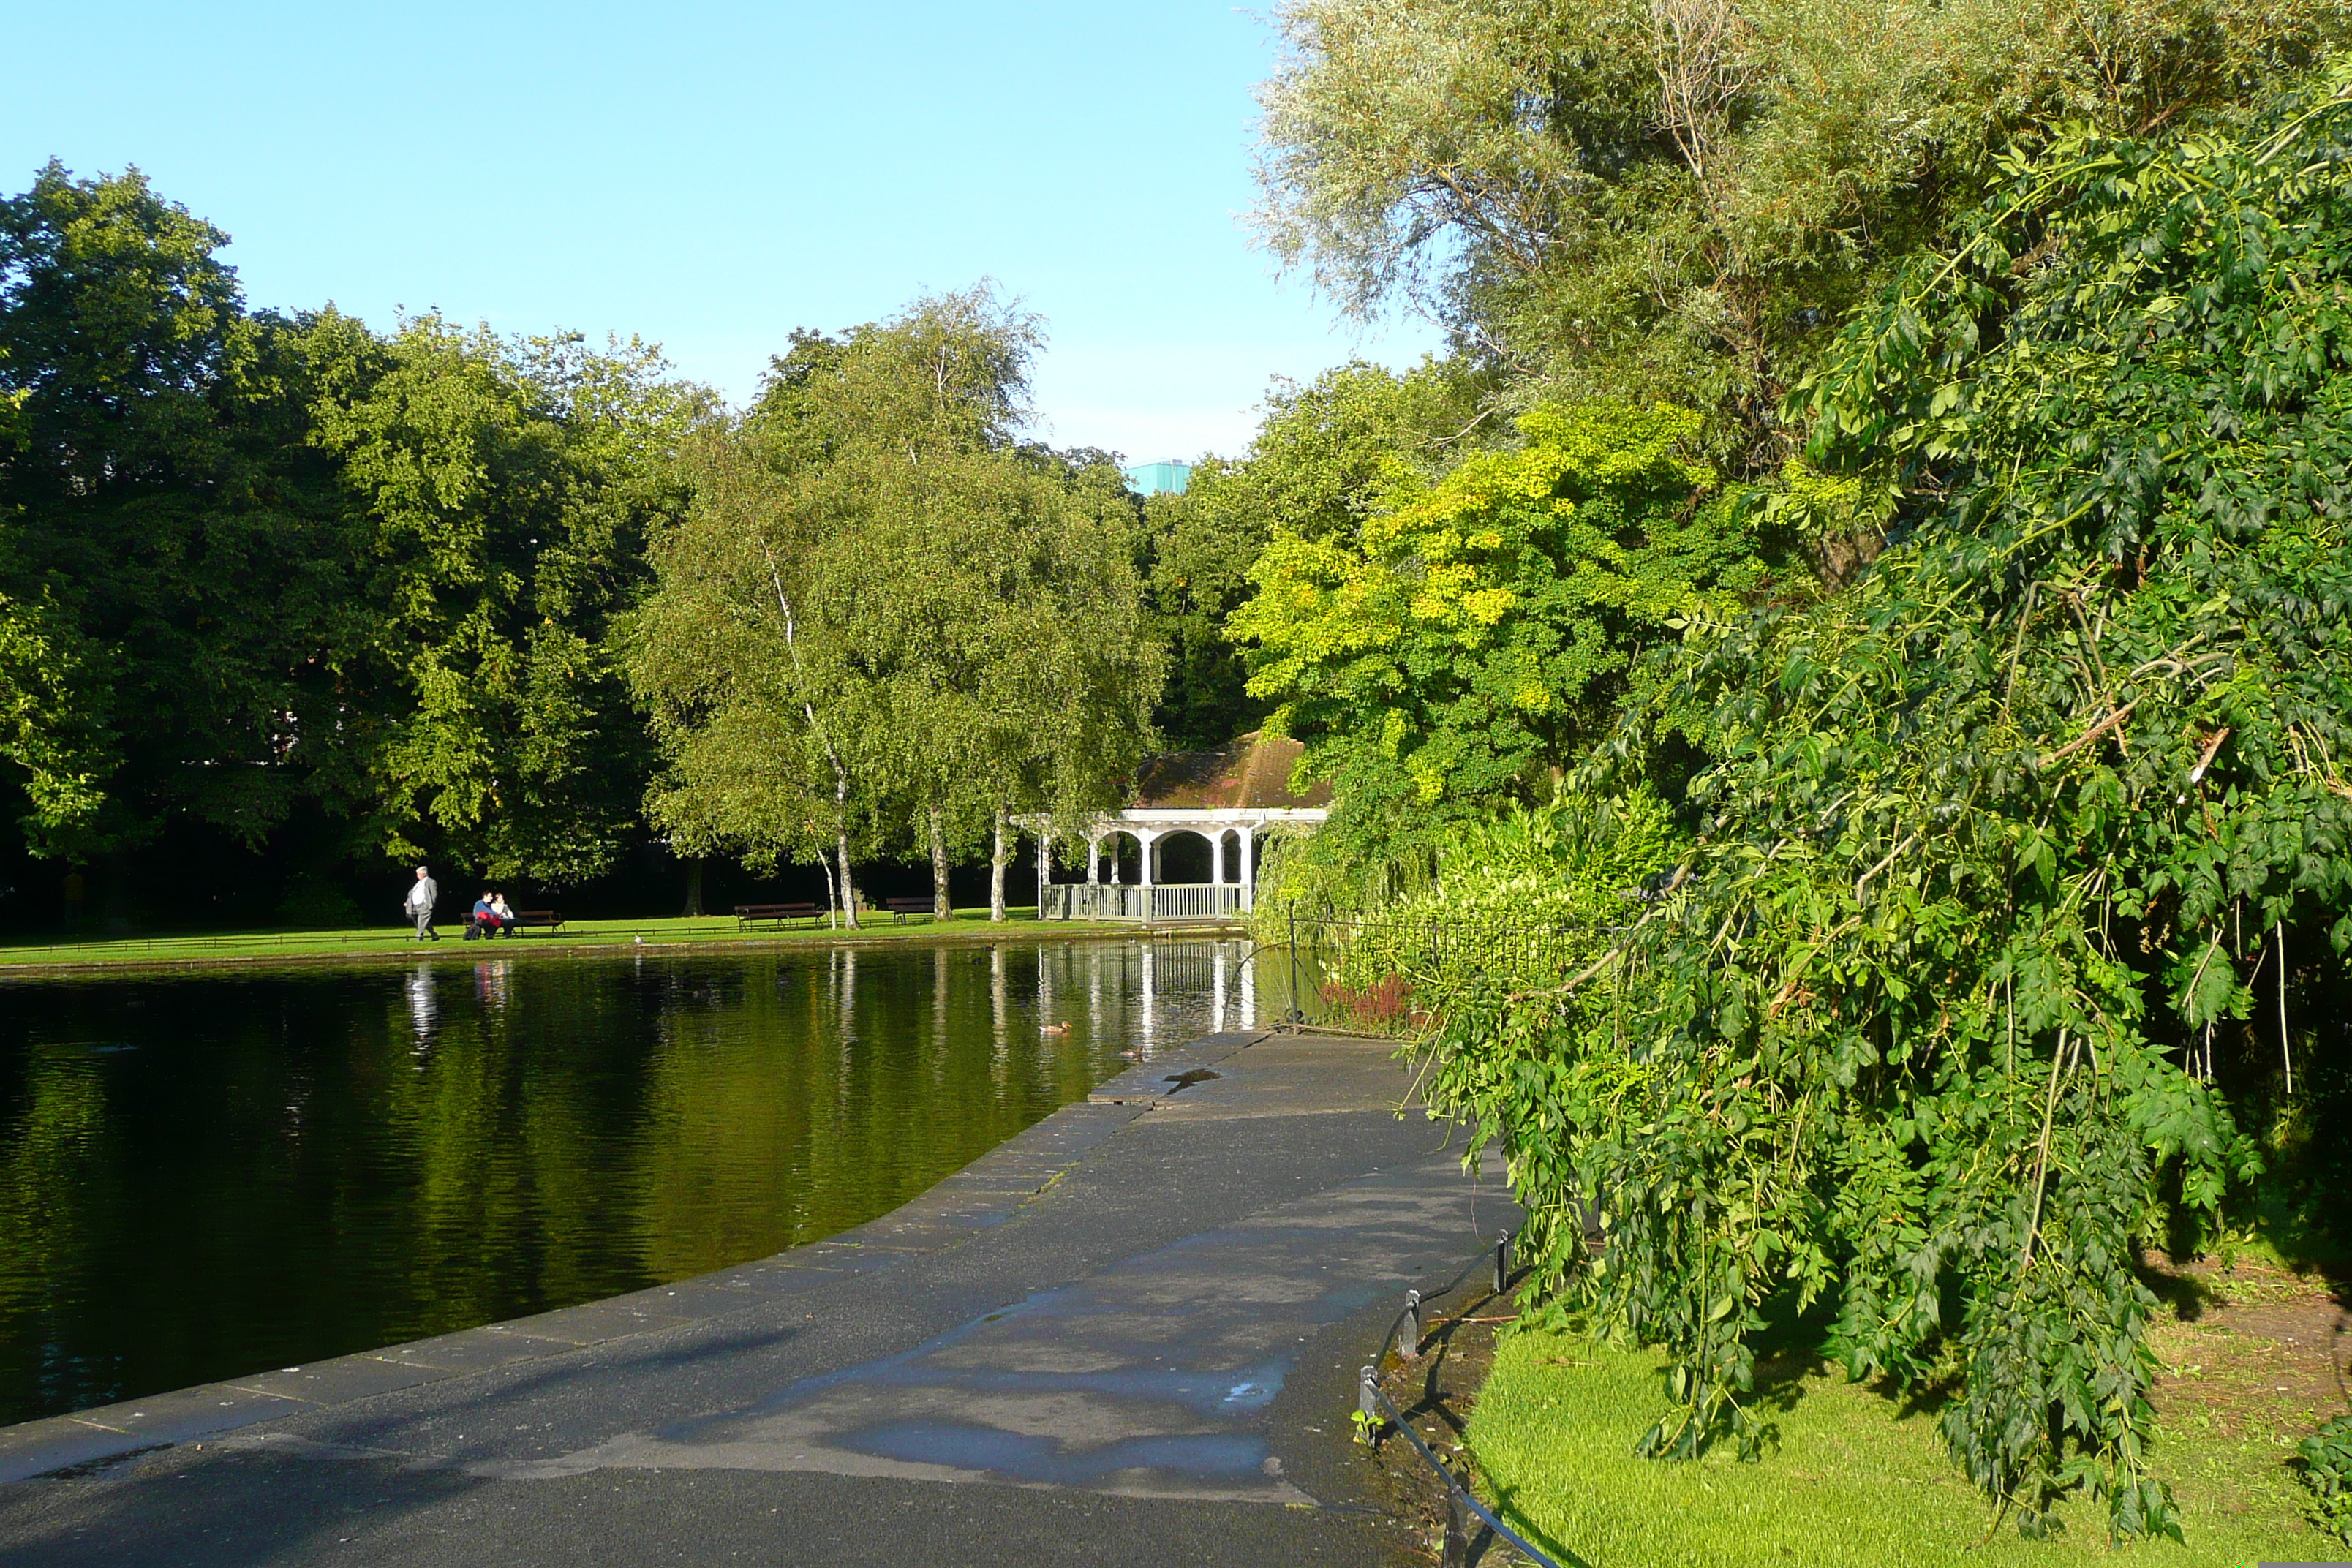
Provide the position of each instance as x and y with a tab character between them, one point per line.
1207	811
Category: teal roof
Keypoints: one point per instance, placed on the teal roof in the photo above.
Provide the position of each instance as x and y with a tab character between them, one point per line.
1159	479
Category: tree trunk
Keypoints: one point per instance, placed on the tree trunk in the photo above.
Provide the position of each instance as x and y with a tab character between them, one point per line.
840	774
848	887
999	856
942	907
114	891
693	889
832	902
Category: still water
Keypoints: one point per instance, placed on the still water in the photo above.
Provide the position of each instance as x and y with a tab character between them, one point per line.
204	1176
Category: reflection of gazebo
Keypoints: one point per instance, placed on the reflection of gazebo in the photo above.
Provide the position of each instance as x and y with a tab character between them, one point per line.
1194	827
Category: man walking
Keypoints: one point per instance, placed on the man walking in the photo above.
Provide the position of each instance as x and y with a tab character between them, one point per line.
422	897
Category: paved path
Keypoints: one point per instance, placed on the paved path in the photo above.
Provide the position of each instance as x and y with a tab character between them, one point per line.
1129	1336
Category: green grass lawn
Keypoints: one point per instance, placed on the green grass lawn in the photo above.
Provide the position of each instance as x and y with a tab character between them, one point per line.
1854	1479
400	940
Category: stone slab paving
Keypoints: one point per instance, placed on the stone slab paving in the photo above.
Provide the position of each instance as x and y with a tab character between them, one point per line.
1126	1336
1151	1378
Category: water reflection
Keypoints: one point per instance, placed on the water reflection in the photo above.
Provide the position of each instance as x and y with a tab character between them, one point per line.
266	1170
423	1006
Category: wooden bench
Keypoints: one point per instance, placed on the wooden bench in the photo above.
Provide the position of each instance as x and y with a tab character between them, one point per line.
902	908
748	915
540	920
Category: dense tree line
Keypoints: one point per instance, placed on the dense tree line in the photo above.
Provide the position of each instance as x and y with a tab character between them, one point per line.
290	599
261	572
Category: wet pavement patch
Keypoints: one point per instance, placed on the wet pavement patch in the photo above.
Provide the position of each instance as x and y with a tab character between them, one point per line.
1153	1376
1046	1461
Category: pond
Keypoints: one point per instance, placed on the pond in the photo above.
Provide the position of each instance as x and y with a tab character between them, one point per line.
202	1177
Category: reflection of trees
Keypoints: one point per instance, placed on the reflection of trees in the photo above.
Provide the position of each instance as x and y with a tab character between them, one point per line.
736	1161
576	1129
726	1122
513	1149
54	1146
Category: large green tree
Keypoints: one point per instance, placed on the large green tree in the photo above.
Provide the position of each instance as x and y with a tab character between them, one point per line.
177	564
248	562
1678	199
507	489
884	605
2021	892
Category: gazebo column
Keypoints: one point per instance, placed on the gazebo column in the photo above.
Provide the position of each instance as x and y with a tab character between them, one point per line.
1217	858
1146	844
1094	858
1249	868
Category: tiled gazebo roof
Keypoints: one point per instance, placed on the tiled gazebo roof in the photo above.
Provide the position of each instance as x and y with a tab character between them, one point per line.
1251	772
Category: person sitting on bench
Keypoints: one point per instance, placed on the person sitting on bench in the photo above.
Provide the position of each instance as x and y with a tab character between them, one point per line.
486	923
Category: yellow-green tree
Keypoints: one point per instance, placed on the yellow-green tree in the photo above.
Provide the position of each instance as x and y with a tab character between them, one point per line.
1447	652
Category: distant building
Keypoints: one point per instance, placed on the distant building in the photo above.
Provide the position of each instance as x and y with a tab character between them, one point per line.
1159	479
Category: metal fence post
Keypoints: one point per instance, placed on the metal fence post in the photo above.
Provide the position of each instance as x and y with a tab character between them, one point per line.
1298	1015
1457	1530
1461	1504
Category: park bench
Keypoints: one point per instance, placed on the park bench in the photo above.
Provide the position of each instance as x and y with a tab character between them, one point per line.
540	920
902	908
747	915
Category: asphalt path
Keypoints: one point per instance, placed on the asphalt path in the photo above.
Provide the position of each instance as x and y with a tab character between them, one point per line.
1130	1336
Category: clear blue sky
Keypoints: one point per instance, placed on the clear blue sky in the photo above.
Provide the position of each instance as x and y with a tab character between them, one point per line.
712	175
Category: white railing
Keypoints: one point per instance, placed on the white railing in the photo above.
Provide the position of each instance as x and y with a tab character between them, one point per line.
1092	902
1107	901
1190	901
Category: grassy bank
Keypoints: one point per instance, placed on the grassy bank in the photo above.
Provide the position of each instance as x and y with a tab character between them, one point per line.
387	942
1858	1477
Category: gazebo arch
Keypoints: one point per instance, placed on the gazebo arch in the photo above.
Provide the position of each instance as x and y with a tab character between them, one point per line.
1228	799
1185	855
1105	854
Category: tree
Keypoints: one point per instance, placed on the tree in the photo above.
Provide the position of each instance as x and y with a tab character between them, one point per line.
177	563
1445	653
508	488
883	596
1070	696
747	684
1004	627
1677	199
2022	888
1318	466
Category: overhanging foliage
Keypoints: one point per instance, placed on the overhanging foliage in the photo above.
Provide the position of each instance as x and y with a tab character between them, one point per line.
2012	852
